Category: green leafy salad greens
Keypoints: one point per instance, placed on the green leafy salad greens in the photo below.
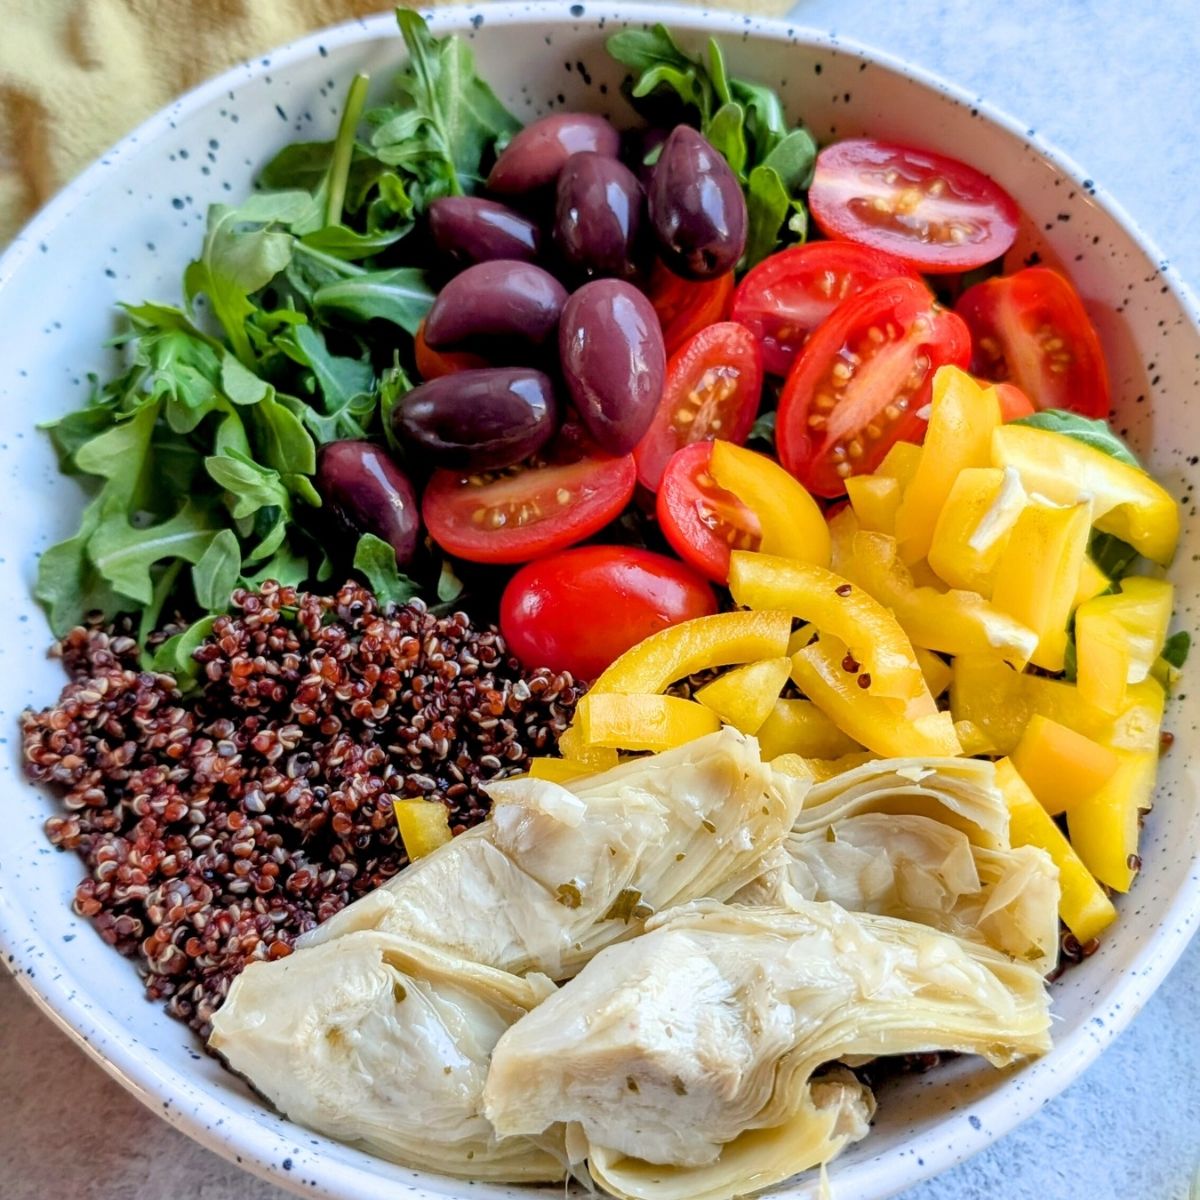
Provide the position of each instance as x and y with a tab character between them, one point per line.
296	327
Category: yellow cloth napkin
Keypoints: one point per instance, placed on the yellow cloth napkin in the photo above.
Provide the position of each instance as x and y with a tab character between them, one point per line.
76	75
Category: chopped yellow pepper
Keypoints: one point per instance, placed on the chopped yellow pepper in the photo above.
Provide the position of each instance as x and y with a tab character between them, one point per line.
745	696
992	697
954	622
624	722
793	524
795	765
1092	582
559	770
1103	657
974	527
1125	501
872	721
900	463
1104	828
1083	906
876	641
1062	767
721	640
572	745
962	418
936	671
800	727
820	769
1038	575
973	739
424	826
875	499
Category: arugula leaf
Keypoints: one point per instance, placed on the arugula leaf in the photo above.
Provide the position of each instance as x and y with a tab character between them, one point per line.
376	559
1113	556
250	486
216	573
1176	648
401	295
727	133
394	385
286	445
175	655
449	586
286	567
1095	433
762	432
770	198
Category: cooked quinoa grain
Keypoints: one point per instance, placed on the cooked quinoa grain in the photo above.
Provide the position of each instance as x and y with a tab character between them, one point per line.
218	827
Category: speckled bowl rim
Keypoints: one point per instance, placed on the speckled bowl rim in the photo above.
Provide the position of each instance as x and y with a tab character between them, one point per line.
262	1150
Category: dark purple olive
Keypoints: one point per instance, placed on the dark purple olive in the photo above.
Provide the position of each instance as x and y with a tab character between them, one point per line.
610	345
475	230
479	420
535	156
494	304
696	207
599	216
368	493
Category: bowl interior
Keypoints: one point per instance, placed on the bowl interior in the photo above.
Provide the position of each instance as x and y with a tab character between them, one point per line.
125	231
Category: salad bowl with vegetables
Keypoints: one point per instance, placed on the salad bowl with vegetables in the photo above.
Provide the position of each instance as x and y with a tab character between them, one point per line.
625	578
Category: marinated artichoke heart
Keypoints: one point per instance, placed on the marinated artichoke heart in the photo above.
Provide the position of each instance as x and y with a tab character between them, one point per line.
685	1057
927	841
559	872
377	1040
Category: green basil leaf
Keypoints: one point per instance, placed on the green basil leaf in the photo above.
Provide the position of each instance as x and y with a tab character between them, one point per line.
1176	648
376	560
401	295
1095	433
216	573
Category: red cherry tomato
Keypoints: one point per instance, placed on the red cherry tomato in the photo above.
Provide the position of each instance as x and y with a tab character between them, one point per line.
1031	328
1014	404
702	521
712	390
432	364
931	211
685	306
519	514
580	610
789	294
857	386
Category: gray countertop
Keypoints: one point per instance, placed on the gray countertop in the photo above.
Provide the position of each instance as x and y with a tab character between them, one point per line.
1114	85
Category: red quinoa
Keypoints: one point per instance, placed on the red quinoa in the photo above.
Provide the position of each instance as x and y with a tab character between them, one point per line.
217	827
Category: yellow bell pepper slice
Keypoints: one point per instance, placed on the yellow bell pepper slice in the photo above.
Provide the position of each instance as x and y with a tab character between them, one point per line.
974	527
745	696
837	607
720	640
1104	828
1083	906
962	418
1103	658
875	500
935	669
974	741
954	622
821	769
559	770
800	727
1037	576
900	463
793	524
1092	582
1062	767
574	746
624	722
1125	501
990	696
424	826
795	765
872	721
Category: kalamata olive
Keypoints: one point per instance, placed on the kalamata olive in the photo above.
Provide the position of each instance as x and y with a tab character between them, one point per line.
535	156
598	218
479	420
369	493
477	230
696	207
611	348
493	304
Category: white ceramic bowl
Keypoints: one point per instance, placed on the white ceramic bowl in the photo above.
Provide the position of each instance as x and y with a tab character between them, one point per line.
125	229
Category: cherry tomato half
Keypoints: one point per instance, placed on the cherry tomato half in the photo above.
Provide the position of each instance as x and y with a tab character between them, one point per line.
685	306
1014	404
432	364
712	390
1031	328
580	610
702	520
931	211
521	513
857	386
784	298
